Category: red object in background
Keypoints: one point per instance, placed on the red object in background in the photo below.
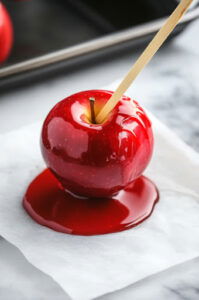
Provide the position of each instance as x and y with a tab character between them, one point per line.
6	34
96	160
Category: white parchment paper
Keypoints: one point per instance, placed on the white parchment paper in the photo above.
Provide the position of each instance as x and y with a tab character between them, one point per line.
87	267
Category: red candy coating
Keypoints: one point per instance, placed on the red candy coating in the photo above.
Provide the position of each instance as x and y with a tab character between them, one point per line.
49	205
96	160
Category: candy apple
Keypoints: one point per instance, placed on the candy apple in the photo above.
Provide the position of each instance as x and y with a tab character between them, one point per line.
6	33
96	160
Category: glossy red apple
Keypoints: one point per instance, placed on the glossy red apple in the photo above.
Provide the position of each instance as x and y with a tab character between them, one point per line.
96	160
6	33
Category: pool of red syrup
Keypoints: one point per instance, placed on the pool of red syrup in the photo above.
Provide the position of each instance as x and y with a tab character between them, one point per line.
49	205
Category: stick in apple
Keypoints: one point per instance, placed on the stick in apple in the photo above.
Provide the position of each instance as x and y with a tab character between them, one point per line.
92	109
145	58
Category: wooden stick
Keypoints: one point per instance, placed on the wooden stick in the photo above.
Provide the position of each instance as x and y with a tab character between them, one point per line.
144	59
92	109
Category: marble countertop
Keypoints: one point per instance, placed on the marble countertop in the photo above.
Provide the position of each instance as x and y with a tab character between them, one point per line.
171	92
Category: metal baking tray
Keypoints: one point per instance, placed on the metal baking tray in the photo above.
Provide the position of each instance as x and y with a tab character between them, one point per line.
53	34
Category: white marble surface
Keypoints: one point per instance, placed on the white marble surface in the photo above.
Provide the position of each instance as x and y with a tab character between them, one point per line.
177	283
175	74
